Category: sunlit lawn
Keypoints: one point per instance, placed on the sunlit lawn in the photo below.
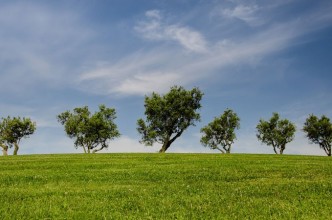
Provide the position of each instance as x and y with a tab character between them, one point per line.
165	186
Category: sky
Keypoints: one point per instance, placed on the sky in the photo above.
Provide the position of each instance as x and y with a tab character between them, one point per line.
253	56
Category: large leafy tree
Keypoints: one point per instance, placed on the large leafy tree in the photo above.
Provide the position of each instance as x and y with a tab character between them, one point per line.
221	131
319	131
92	132
169	115
12	130
276	132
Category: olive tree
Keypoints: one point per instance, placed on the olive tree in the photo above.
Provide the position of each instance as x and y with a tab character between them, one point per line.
12	130
92	132
319	131
221	132
276	132
169	115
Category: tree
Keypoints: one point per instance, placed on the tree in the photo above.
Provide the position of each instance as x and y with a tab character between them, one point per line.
91	132
276	132
319	131
169	115
221	131
12	130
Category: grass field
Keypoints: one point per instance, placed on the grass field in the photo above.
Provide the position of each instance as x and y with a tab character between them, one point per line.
165	186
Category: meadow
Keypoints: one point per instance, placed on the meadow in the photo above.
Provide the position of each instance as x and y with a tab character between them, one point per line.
165	186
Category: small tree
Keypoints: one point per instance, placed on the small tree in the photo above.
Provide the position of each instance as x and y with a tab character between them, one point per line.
169	115
12	130
276	132
91	132
221	131
319	131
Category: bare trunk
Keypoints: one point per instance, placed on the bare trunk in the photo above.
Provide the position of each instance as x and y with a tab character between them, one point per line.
84	149
96	150
165	146
228	150
327	149
15	148
221	150
169	141
275	150
4	152
4	149
282	148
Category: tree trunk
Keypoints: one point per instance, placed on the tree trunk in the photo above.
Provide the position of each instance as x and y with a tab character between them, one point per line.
96	150
275	151
228	150
329	154
15	148
4	149
165	146
221	150
282	148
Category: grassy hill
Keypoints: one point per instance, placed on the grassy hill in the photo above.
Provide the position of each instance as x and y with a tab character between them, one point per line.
165	186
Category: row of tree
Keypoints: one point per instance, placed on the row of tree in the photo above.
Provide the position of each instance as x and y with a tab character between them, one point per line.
167	117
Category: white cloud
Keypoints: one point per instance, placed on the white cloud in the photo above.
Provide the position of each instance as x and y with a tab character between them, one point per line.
190	39
154	29
153	14
36	43
244	13
141	83
155	70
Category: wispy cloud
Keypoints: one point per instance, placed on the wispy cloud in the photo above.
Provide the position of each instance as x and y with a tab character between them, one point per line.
153	28
35	45
158	68
245	13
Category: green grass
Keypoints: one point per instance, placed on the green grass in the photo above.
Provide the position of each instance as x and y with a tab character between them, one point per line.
165	186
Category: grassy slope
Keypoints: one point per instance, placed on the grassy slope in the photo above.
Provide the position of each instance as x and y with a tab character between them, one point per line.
190	186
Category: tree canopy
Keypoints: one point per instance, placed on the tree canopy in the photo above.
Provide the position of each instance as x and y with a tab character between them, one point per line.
169	115
275	132
221	131
319	131
12	130
92	132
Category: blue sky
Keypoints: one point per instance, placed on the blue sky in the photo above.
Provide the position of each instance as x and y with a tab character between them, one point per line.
255	57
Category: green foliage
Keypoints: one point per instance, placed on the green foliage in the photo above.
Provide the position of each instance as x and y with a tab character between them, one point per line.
165	186
91	132
319	131
221	131
276	132
169	115
12	130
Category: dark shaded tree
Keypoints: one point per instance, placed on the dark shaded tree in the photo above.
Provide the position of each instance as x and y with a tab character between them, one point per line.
12	130
319	131
275	132
220	133
92	132
169	115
